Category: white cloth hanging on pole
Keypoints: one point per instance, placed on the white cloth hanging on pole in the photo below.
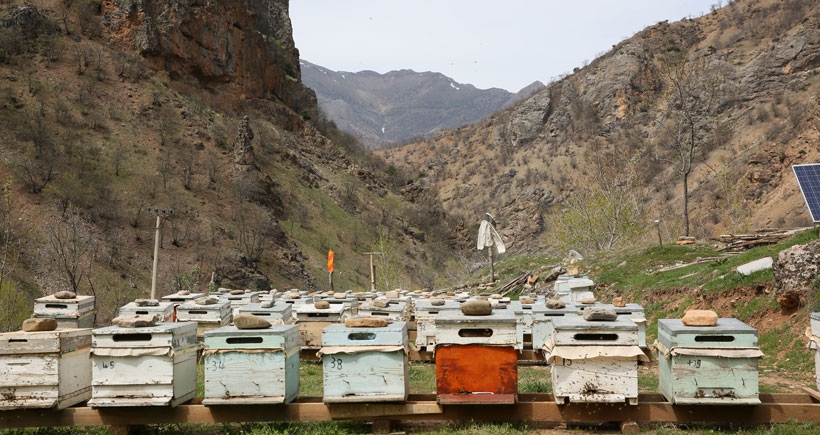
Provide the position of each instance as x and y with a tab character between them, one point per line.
488	236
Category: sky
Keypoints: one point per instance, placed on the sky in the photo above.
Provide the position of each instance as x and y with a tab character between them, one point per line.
505	44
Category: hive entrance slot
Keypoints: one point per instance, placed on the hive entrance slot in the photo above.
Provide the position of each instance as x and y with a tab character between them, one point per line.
197	312
243	340
317	315
361	336
56	306
142	311
596	337
18	340
261	314
714	338
475	332
132	337
379	313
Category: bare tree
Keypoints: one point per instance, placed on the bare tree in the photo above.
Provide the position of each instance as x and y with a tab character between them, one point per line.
14	305
72	250
694	92
256	232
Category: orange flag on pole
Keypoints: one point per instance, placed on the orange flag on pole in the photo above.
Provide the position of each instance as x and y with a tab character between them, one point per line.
330	262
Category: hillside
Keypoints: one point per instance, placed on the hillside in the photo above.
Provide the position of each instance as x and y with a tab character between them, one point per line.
383	110
613	124
109	112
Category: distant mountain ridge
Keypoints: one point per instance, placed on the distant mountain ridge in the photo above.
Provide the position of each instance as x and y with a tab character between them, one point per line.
391	108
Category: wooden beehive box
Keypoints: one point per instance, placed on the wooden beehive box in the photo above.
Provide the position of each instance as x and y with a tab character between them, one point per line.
45	369
542	322
394	311
297	303
365	364
182	298
594	361
350	303
426	314
240	300
251	366
164	312
814	344
207	317
150	366
277	311
476	358
69	313
312	321
634	311
714	365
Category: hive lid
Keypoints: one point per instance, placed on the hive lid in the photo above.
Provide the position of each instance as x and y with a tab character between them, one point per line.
497	316
815	316
622	323
724	326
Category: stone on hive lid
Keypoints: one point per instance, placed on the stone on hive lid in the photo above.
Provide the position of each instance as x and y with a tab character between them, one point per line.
700	318
555	304
476	307
393	294
237	292
618	302
268	304
183	292
340	296
39	324
598	313
496	296
321	305
206	300
381	302
65	294
250	321
587	300
436	301
526	300
135	321
146	302
366	322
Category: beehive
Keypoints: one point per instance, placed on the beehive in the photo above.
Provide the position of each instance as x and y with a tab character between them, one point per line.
240	300
476	358
814	344
45	369
277	311
634	311
708	364
526	321
207	317
426	314
542	322
365	364
178	298
312	320
150	366
164	312
350	303
69	313
251	366
296	303
594	361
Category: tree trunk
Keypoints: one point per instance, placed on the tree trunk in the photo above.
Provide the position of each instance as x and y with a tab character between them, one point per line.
686	203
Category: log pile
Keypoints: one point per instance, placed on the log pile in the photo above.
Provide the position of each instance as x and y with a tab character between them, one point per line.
766	236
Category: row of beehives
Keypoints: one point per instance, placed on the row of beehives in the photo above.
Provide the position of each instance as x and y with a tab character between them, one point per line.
476	363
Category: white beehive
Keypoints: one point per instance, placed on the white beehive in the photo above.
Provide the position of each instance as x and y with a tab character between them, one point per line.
814	344
350	303
296	302
45	369
150	366
240	300
542	322
163	312
594	361
251	366
69	313
396	311
426	314
714	365
181	298
365	364
277	311
312	320
207	317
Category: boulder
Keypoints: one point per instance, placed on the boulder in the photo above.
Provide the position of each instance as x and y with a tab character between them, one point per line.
700	318
135	321
795	269
600	314
321	305
555	304
476	307
65	294
250	321
366	322
39	324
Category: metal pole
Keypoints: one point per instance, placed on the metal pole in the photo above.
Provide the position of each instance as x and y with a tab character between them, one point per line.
372	275
156	258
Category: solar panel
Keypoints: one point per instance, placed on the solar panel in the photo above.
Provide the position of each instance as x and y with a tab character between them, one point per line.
808	178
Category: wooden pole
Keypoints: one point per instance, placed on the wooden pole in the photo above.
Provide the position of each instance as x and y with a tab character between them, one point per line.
492	268
156	258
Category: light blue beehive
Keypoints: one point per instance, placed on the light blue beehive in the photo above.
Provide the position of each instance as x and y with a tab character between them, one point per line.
251	366
365	364
708	364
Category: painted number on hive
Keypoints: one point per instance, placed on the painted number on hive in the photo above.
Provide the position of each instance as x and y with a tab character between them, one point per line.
694	363
216	365
108	364
335	363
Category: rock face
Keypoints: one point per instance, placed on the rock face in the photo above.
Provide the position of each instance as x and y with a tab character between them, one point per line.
234	50
795	269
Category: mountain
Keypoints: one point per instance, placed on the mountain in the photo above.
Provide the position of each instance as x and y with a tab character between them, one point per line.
119	116
739	85
386	109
